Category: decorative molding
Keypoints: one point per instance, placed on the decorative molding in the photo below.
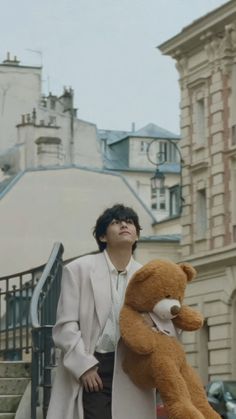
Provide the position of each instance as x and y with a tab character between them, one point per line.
231	153
221	48
198	83
182	67
48	140
189	38
196	167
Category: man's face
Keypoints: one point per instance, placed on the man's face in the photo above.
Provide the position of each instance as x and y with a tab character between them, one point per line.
120	233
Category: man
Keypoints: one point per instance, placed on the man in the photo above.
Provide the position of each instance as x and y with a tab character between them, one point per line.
90	382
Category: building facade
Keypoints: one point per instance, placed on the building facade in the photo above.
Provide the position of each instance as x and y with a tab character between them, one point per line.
205	54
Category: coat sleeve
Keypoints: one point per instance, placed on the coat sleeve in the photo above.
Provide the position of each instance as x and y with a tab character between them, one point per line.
66	332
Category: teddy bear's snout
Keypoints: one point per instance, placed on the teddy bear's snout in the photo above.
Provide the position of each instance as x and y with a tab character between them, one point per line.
167	309
175	310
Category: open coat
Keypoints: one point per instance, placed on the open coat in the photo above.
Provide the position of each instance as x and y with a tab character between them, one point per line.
83	309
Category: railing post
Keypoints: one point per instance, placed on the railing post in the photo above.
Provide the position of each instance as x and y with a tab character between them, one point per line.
35	372
47	379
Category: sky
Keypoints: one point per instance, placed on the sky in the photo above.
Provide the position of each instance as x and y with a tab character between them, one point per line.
106	50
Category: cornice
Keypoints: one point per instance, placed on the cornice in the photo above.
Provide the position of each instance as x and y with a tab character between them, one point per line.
198	82
189	37
222	257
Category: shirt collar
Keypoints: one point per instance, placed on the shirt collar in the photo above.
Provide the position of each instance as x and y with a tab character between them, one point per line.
112	268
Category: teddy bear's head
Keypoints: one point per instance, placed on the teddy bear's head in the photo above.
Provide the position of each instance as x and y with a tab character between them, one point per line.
159	286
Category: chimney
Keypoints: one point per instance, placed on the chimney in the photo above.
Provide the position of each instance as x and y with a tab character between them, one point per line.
133	127
9	61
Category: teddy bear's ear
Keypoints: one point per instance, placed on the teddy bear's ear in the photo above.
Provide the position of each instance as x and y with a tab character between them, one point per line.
188	270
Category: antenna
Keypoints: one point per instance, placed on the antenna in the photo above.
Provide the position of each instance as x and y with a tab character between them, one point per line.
48	81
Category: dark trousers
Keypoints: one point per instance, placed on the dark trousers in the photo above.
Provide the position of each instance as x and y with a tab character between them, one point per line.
97	404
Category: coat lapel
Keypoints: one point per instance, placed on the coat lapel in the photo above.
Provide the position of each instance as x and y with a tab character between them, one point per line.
101	285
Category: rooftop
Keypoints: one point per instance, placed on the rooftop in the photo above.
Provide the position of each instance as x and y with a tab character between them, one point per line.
150	130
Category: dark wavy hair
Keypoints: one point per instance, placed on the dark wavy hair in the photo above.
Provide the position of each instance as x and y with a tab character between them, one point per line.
117	212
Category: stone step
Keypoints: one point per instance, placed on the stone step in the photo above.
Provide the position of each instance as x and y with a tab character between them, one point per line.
9	403
13	385
14	369
7	415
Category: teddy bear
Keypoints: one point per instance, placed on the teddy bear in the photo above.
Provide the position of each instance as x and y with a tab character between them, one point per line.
151	320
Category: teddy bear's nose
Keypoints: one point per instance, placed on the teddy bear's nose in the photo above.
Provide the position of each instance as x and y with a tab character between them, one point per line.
174	310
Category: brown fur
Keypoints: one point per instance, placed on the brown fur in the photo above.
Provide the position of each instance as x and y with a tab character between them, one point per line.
153	359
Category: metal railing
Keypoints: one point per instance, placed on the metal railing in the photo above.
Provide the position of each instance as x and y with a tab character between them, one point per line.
15	326
43	315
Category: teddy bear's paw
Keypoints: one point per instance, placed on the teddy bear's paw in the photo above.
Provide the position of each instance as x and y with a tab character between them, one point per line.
184	411
212	415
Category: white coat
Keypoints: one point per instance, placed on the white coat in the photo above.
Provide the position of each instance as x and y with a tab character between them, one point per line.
83	309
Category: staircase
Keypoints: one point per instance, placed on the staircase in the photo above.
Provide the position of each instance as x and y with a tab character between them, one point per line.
28	302
14	377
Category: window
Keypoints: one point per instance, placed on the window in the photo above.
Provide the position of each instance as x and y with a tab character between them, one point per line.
158	199
162	157
153	198
201	212
233	198
200	121
172	153
175	200
161	198
233	134
143	146
167	152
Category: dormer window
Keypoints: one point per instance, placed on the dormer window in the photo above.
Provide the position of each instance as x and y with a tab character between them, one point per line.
143	146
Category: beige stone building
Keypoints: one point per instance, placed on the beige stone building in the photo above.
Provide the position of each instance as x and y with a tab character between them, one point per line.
205	54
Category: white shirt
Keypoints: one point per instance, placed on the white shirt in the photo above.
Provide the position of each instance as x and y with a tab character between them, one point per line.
118	280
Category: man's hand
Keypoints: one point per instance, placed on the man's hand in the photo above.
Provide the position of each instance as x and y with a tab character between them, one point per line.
91	381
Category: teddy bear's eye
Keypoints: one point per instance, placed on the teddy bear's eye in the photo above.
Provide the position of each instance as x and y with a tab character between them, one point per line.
167	296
